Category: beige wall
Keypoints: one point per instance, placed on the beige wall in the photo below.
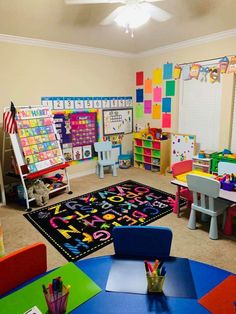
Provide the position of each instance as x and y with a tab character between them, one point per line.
210	50
28	72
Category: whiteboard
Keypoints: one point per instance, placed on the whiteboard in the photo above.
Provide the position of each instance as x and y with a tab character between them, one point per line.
199	112
117	121
182	147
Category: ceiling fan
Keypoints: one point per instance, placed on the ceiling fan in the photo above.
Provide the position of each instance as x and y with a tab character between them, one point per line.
131	14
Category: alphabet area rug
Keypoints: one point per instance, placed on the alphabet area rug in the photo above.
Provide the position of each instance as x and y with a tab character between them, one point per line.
81	225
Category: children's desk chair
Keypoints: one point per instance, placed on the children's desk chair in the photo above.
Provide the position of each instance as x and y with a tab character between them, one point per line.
142	241
104	150
22	265
208	202
177	169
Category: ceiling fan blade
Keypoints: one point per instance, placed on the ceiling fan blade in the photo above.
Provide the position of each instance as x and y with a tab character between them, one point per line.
110	18
156	13
93	1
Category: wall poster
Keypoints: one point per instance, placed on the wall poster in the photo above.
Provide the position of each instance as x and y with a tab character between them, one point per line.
117	121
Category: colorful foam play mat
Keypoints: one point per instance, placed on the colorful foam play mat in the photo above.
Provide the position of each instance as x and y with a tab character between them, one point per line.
81	225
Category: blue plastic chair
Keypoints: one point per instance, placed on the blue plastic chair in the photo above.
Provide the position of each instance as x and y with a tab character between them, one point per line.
104	150
142	241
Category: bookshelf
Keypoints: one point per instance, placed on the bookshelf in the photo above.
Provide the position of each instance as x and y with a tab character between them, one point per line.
152	155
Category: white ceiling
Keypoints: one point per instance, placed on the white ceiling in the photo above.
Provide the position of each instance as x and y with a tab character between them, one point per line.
79	24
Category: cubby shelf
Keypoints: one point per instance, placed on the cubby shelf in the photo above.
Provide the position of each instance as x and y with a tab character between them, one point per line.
151	154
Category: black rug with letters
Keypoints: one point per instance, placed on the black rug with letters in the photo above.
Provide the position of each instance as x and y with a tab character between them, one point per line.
81	225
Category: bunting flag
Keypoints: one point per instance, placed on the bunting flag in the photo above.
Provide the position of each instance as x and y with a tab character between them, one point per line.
9	123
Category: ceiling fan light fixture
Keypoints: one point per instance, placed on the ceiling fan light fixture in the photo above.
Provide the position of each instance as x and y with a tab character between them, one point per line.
132	16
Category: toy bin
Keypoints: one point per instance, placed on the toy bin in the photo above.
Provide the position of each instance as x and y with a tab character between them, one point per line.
147	159
156	153
138	157
125	161
147	151
138	142
147	166
147	144
156	145
138	150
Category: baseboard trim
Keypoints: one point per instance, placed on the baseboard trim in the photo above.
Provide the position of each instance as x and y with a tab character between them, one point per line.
81	173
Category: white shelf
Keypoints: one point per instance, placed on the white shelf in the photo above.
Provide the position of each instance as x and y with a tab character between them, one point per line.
201	165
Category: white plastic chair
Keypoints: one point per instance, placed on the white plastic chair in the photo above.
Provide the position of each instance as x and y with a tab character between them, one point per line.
208	203
104	150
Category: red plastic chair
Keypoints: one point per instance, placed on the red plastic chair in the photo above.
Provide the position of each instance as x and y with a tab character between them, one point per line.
22	265
177	169
231	213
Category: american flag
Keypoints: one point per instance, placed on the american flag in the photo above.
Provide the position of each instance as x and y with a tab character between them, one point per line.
9	122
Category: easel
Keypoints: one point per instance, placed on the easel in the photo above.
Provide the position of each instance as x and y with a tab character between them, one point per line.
24	173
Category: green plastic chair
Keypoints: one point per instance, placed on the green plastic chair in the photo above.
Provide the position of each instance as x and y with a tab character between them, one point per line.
105	159
208	203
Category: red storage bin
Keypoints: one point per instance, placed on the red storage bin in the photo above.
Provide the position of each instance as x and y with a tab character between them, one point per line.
156	145
147	151
147	159
138	142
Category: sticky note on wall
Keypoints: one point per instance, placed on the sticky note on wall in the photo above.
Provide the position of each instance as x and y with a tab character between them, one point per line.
139	78
147	106
156	111
138	109
166	104
157	94
167	71
139	95
157	76
170	88
166	120
148	86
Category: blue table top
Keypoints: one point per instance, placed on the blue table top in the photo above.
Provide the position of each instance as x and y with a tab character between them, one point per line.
205	278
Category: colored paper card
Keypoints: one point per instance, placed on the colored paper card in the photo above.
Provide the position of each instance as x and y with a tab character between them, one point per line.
166	104
167	71
157	94
148	86
147	106
139	111
170	88
185	72
177	72
139	78
156	111
69	102
127	275
166	120
139	95
82	289
157	76
221	299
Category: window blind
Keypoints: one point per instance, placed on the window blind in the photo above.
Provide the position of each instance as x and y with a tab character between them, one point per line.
199	112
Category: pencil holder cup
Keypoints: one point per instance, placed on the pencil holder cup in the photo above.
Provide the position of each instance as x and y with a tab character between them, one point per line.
155	283
57	304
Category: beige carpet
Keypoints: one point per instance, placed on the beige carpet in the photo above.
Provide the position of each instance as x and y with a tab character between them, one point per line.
193	244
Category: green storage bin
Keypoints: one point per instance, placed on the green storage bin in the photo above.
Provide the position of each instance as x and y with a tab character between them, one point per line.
138	157
147	144
156	153
138	150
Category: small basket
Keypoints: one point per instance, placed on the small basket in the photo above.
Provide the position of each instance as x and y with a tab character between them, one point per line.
155	283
